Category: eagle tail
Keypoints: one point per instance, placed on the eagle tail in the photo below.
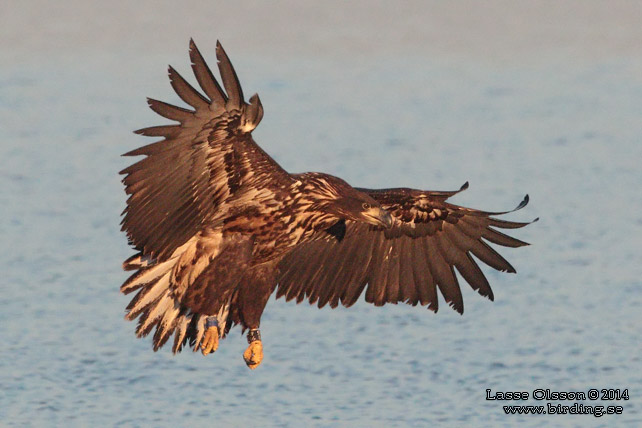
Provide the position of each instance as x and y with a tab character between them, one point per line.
156	304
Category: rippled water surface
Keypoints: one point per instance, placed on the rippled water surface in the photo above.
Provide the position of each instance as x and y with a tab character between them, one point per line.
563	127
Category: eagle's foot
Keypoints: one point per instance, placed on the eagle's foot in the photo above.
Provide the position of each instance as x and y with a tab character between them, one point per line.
253	355
210	338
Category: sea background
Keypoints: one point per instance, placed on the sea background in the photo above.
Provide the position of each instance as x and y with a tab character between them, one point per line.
543	98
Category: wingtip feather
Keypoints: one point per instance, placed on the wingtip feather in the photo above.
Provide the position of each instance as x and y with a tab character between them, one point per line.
228	76
523	203
205	78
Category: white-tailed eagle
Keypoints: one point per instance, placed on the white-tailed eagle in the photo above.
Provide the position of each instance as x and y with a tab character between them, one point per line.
219	226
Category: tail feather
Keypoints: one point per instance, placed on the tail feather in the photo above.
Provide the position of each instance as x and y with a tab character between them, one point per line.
166	326
139	331
145	276
165	303
148	296
137	261
200	330
180	337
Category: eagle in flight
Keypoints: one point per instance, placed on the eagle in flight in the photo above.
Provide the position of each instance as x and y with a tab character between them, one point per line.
218	226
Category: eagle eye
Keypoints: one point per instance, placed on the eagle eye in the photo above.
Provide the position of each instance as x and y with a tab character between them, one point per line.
366	206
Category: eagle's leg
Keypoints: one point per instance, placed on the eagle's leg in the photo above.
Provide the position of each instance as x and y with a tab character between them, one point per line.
253	355
211	336
254	293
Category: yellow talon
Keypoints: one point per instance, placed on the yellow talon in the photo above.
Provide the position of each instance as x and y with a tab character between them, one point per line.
210	340
253	355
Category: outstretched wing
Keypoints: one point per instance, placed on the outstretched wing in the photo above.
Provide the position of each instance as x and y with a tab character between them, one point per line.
406	263
201	163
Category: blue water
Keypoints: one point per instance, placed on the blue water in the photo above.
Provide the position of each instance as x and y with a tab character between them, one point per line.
566	132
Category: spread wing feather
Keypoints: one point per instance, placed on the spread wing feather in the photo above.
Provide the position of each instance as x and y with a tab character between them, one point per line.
429	240
230	80
199	165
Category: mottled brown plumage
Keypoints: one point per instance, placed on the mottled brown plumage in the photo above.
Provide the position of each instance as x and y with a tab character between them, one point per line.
218	224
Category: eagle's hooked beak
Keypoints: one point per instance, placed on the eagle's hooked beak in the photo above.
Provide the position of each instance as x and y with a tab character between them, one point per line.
378	217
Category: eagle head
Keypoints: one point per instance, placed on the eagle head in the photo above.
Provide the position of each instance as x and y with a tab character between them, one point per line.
331	195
